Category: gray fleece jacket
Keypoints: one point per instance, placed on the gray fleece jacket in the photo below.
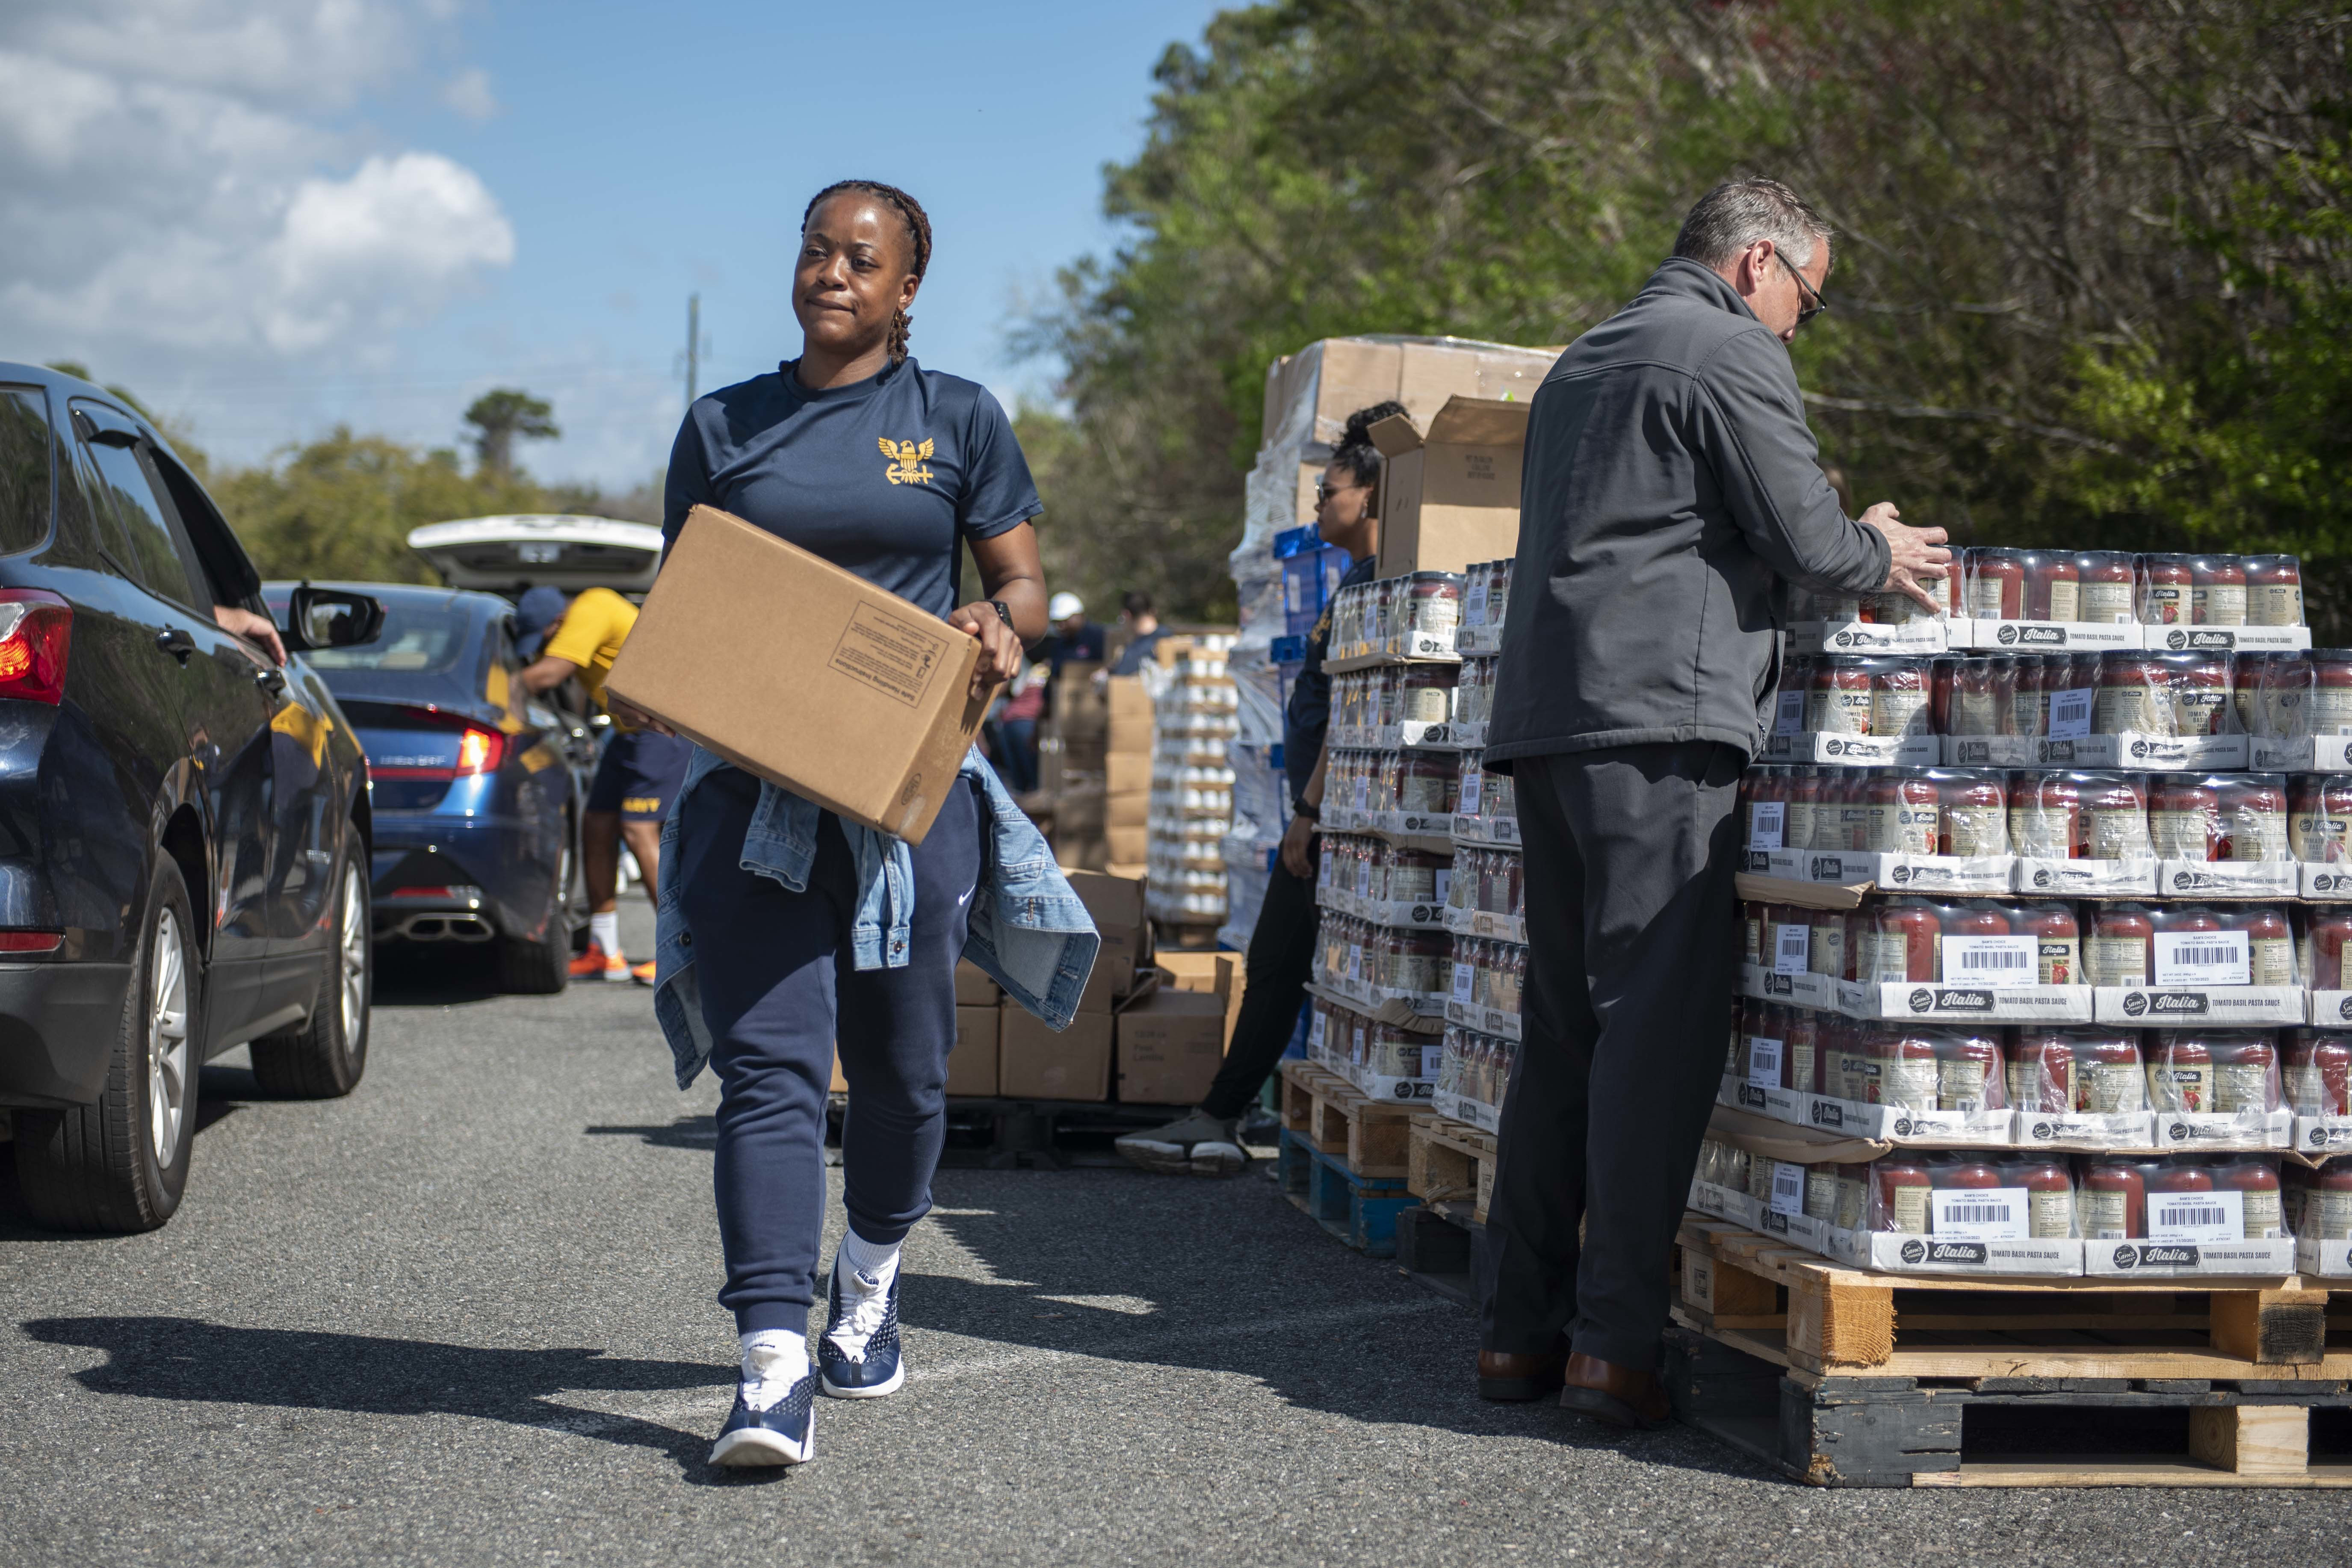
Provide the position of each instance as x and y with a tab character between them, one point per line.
1670	482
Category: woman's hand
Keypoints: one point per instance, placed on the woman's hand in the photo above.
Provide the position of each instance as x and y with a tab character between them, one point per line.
244	623
1000	649
629	714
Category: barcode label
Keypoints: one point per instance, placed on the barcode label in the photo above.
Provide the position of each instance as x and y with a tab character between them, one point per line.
1767	824
2196	1217
1355	961
1788	1188
2069	714
1791	718
1979	1214
1444	874
1474	605
1468	804
2204	958
1363	789
1791	949
1462	976
1764	1060
1991	960
1315	1032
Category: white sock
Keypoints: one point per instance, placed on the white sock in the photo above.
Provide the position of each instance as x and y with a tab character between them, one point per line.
874	1262
774	1360
605	930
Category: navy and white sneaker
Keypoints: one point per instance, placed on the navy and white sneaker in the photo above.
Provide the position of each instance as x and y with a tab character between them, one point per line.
782	1434
857	1355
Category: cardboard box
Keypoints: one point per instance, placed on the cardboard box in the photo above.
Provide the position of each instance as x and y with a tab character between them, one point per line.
1218	974
1078	809
1126	868
833	655
973	987
1451	495
840	1084
972	1065
1128	846
1089	852
1117	905
1079	708
1130	810
1130	707
1034	1063
1170	1044
1128	772
1336	376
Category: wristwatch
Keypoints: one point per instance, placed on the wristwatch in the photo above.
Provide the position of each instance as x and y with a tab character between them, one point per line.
1311	813
1004	614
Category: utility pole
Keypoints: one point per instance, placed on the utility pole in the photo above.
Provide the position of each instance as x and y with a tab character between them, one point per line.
693	343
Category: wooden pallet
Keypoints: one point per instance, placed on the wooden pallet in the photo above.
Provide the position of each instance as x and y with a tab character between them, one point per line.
1883	1431
1761	1297
1359	1211
1450	1166
1371	1136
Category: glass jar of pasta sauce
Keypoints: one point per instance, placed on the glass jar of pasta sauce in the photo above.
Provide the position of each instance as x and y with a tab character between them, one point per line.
2181	1073
1906	941
2274	591
2029	703
2266	1218
2245	1075
2052	587
1898	696
2116	817
1800	1051
2279	699
1907	1072
2044	816
2134	696
2198	687
2184	816
1982	698
2108	596
1973	810
2217	591
1899	1189
2319	1073
2058	941
1996	589
1434	608
1425	693
2165	584
1839	702
2119	949
1426	782
2328	708
1830	953
2111	1201
1904	818
2041	1070
1968	1073
2326	930
2269	942
2049	1195
2110	1073
2253	816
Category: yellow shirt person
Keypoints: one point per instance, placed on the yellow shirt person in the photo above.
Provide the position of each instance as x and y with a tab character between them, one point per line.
591	635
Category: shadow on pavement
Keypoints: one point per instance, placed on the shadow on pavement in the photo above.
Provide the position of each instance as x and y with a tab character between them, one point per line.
435	974
685	1132
213	1363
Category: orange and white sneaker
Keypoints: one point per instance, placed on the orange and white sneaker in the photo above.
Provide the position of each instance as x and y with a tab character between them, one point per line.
590	964
643	973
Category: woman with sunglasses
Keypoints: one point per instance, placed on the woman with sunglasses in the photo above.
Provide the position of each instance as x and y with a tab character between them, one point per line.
1206	1142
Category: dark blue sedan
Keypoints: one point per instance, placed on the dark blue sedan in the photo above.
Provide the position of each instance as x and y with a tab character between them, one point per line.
477	802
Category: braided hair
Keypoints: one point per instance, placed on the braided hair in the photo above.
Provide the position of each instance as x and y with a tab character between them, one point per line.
918	240
1356	452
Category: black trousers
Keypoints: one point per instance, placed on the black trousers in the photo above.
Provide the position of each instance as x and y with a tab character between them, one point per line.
1630	858
1281	956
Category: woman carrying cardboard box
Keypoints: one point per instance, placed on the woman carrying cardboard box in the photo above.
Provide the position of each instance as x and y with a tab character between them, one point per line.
786	929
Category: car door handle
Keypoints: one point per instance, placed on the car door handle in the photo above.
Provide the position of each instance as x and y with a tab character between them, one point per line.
177	642
270	679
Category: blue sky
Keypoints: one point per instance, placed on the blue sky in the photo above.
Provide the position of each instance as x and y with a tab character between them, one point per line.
269	215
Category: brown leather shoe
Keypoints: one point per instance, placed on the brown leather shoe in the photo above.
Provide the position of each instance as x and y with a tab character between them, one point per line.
1617	1396
1518	1376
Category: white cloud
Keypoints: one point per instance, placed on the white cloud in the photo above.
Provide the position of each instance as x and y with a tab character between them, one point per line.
468	93
177	177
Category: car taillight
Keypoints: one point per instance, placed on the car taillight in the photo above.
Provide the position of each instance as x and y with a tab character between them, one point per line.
479	752
36	635
31	941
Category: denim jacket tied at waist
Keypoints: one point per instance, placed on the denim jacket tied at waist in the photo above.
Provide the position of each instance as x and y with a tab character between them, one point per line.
1026	929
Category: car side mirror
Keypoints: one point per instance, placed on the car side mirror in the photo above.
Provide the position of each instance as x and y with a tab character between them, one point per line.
331	618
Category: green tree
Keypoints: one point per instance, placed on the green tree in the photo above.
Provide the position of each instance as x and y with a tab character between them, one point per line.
502	415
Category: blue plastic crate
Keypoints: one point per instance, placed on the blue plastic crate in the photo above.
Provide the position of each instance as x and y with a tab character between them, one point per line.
1290	650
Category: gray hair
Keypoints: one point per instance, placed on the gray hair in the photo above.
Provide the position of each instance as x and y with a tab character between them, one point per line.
1738	213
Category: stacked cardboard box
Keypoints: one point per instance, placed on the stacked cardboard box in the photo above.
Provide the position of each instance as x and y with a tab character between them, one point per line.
1096	768
1126	777
1034	1062
1173	1034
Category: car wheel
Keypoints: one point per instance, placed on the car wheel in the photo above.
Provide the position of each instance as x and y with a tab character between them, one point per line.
541	965
324	1058
122	1163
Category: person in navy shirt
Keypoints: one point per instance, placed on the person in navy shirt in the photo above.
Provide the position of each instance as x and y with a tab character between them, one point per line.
858	454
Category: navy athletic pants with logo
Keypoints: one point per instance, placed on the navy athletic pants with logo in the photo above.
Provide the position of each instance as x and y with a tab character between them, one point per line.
1630	924
777	989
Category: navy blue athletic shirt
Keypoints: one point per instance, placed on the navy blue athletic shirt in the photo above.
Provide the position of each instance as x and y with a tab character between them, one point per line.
879	477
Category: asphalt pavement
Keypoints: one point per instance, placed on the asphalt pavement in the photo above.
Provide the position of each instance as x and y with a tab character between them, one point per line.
465	1316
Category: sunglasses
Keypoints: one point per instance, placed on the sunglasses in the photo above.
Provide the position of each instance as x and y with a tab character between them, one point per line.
1324	490
1811	304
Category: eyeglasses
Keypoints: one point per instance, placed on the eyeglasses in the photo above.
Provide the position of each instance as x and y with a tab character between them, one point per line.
1324	490
1811	304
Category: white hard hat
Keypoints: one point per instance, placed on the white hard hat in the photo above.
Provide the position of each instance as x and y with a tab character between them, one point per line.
1065	605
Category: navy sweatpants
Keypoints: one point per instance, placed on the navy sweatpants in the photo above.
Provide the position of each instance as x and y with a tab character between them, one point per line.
777	989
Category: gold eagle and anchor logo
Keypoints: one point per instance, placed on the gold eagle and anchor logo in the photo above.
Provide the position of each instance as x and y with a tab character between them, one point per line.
906	466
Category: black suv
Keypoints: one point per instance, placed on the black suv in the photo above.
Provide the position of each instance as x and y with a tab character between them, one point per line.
183	824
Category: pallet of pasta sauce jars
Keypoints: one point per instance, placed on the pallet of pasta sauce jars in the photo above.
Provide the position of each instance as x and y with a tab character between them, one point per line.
2315	1071
1869	1079
2027	600
1941	830
2318	1204
2182	1214
2187	965
1952	1212
1848	710
2297	709
2221	604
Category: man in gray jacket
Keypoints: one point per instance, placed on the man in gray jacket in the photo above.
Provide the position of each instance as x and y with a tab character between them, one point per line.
1671	483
